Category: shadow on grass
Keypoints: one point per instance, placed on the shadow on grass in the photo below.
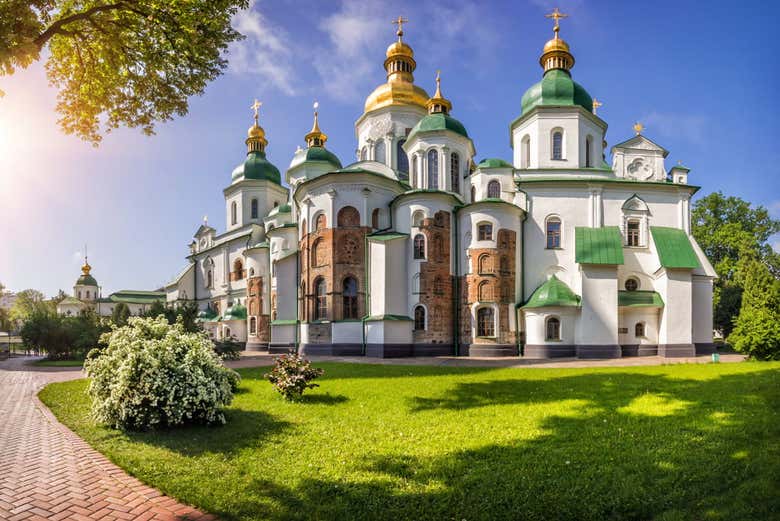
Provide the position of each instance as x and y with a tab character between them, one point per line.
323	399
644	447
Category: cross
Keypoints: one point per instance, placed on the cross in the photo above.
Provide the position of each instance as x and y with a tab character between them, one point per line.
638	128
556	15
596	105
400	23
256	106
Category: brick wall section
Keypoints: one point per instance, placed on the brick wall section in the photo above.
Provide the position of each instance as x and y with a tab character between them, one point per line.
499	275
340	254
254	308
436	281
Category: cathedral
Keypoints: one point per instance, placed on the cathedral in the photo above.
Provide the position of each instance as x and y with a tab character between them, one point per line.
416	249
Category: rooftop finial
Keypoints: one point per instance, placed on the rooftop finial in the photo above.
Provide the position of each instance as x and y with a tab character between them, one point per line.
316	138
596	105
556	15
638	128
256	140
400	21
256	107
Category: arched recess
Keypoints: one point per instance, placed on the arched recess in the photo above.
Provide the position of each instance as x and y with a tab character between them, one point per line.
433	169
525	152
349	294
454	172
348	216
419	246
417	218
494	190
552	329
379	152
419	318
402	160
553	226
320	222
557	144
320	299
485	291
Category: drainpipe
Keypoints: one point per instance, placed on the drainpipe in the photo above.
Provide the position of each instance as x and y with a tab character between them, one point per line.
297	308
456	285
521	345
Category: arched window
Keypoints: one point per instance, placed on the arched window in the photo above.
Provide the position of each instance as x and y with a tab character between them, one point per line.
238	269
253	326
552	329
350	298
553	233
639	330
251	272
588	146
557	144
375	219
379	151
79	294
233	213
494	190
484	291
454	172
433	169
252	307
485	232
87	294
484	265
416	283
364	153
525	156
402	159
417	218
486	322
419	318
419	246
473	193
209	279
632	232
321	222
438	287
348	216
276	204
320	299
254	208
632	284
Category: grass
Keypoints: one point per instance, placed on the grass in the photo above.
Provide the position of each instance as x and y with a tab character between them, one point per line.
58	363
664	443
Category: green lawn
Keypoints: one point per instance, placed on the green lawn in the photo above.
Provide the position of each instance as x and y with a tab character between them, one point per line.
396	442
59	363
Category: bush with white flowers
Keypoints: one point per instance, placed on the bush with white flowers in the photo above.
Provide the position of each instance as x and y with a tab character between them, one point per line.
156	375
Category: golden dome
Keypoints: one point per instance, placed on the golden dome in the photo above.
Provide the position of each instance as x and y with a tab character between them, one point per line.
255	131
399	88
556	53
85	269
255	135
438	103
316	137
556	44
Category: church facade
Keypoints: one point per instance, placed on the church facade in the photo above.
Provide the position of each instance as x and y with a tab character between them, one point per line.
417	249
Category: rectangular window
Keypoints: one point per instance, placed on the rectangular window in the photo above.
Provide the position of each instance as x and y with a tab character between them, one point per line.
485	232
632	233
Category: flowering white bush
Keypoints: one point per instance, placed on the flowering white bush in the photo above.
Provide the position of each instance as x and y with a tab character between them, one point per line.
153	374
292	375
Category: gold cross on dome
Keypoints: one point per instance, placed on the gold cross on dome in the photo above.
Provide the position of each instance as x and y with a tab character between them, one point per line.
256	106
400	21
556	15
596	105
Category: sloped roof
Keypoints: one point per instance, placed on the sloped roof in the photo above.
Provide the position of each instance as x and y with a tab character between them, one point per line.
553	293
674	248
598	245
640	299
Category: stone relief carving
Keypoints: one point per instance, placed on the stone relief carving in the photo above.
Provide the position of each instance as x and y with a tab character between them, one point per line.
380	127
640	168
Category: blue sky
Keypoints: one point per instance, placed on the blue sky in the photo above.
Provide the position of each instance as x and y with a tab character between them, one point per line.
702	79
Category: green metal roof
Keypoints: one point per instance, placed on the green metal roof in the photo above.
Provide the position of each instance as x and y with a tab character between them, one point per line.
285	208
137	297
257	167
556	89
207	315
598	245
494	162
438	121
674	248
235	312
639	299
398	318
386	236
86	280
316	154
71	300
553	293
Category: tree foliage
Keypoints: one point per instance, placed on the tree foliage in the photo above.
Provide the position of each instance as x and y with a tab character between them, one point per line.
732	234
757	328
186	313
28	302
62	337
120	314
119	62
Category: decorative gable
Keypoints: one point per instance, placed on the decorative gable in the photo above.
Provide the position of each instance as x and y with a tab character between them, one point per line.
639	158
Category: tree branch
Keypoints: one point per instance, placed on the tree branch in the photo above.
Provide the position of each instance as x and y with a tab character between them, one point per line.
57	26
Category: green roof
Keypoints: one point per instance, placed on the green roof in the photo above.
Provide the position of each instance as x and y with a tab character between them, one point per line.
438	121
235	312
257	167
640	299
285	208
87	280
206	315
397	318
674	248
129	296
386	236
70	300
553	293
494	162
598	245
556	89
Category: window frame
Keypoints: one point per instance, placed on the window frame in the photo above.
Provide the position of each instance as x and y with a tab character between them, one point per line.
560	156
455	172
420	320
233	213
558	336
349	303
552	219
254	205
633	280
637	327
432	167
490	190
419	248
320	299
486	322
481	227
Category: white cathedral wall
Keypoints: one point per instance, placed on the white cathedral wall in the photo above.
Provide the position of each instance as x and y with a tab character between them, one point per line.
389	332
389	124
349	332
445	143
628	319
286	288
388	278
675	287
535	325
702	309
482	177
598	321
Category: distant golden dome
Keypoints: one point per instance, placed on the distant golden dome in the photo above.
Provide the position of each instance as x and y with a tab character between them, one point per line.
399	48
255	131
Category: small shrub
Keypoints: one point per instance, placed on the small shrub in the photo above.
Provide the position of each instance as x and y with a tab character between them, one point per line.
228	349
292	375
155	375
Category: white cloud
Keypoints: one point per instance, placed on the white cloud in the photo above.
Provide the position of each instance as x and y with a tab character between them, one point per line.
774	208
265	51
677	126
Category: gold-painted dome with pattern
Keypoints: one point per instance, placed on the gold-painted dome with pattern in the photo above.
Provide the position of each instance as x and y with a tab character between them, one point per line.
255	131
556	44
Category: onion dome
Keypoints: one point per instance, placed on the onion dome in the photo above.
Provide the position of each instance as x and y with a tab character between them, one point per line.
438	117
557	87
256	166
494	162
235	312
400	88
553	293
316	151
206	315
86	279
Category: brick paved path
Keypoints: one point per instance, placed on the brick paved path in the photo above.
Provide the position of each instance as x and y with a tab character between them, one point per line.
47	472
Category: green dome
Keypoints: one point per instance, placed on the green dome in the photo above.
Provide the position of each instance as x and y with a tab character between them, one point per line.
316	154
493	162
257	167
285	208
556	89
553	293
438	121
206	315
86	280
235	312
